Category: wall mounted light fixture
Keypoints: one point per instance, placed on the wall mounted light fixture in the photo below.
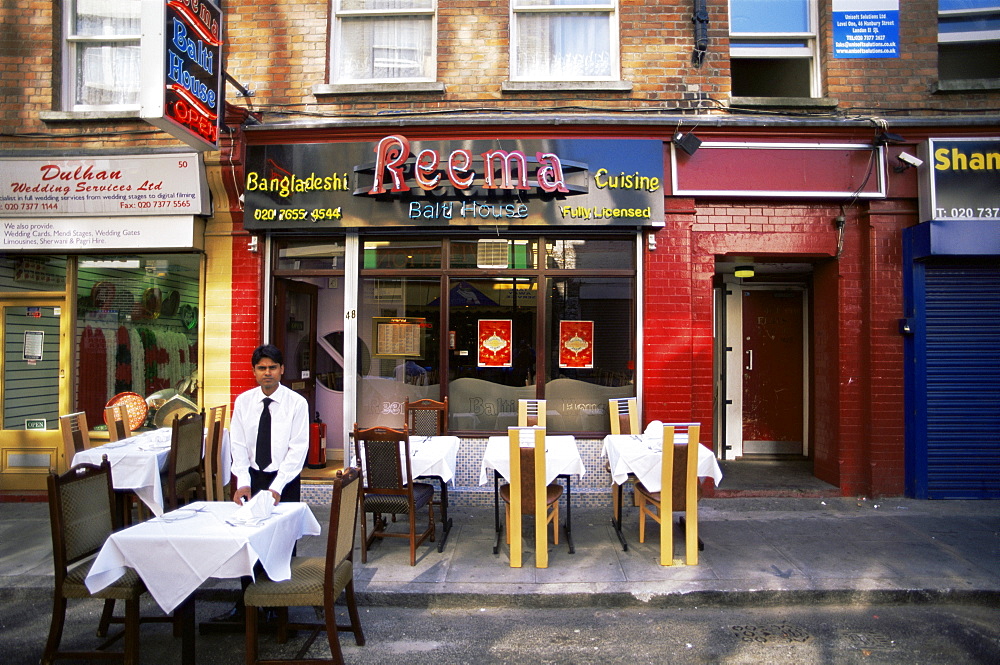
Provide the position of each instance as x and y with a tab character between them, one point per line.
743	272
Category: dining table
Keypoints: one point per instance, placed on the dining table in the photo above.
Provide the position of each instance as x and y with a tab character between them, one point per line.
138	461
562	460
177	551
434	457
641	455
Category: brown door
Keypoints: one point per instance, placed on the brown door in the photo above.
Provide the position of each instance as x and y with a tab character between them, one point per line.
773	371
295	335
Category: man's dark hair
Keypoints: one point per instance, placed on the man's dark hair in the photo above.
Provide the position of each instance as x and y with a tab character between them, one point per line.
267	351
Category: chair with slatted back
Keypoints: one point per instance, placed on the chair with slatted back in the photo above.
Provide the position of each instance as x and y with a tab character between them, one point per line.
116	418
316	581
75	435
531	413
82	515
624	416
679	491
184	480
427	417
389	488
527	472
215	484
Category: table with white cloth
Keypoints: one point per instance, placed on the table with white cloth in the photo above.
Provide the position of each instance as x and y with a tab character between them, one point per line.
642	456
175	553
435	457
138	461
562	460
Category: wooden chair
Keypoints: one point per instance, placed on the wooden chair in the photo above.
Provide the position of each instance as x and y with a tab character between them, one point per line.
316	581
215	484
527	471
624	415
75	435
389	487
427	417
184	478
82	516
116	418
680	491
531	413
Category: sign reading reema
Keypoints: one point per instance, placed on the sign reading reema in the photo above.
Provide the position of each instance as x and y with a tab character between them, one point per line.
182	70
397	182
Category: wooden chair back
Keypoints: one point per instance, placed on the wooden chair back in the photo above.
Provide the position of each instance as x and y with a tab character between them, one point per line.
426	417
531	413
81	514
184	469
116	418
75	435
343	521
530	478
679	490
214	482
624	414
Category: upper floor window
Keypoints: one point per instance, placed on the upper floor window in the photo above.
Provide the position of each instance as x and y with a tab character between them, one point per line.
564	40
968	39
101	55
772	48
384	40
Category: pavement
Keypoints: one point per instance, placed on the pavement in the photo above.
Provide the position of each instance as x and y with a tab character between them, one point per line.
757	551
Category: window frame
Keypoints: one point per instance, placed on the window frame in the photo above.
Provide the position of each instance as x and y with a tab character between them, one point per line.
611	8
71	45
336	39
968	38
778	51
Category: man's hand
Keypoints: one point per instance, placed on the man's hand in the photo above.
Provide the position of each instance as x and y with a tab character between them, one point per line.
241	495
276	495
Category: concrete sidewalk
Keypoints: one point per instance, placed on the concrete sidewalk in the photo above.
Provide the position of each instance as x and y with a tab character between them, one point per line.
757	551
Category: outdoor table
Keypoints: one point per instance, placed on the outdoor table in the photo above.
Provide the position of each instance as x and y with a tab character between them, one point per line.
434	457
176	552
562	460
642	456
138	461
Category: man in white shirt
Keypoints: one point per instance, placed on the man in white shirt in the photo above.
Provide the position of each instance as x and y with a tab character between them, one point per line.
262	462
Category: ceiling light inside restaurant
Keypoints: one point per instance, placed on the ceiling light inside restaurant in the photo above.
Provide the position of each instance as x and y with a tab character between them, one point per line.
744	272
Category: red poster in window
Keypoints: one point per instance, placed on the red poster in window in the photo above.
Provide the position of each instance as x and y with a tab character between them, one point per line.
495	342
576	344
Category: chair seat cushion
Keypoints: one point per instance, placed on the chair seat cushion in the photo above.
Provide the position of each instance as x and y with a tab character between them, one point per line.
395	504
679	496
304	589
126	587
552	493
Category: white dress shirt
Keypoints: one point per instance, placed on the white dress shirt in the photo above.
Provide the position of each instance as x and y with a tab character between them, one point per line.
289	434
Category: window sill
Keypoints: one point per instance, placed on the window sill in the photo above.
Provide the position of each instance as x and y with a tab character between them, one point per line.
566	86
965	85
329	89
84	116
784	102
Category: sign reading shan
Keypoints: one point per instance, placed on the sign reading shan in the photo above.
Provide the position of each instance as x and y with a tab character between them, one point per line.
182	69
961	179
397	182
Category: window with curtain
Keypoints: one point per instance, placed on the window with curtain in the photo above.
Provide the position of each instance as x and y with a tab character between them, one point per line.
384	40
101	57
564	40
969	40
772	48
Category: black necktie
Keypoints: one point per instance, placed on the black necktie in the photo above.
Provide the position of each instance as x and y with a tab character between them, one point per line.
264	436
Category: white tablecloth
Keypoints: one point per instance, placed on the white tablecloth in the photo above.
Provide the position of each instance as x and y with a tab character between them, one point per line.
561	457
136	463
175	556
633	453
433	456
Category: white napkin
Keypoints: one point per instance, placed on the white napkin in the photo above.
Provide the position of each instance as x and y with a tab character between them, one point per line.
653	435
254	511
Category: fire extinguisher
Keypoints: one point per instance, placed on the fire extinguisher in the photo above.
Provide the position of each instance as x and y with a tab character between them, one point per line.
316	458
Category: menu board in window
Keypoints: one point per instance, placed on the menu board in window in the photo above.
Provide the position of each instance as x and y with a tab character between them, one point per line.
399	336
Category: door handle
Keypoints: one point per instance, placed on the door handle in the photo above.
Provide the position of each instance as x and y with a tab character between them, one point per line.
749	365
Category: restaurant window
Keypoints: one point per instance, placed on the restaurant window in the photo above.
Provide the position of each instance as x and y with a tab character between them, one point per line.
136	330
772	48
969	40
384	40
101	54
507	319
564	40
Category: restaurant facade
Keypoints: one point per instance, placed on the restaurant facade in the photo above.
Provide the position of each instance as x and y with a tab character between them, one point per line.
792	268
